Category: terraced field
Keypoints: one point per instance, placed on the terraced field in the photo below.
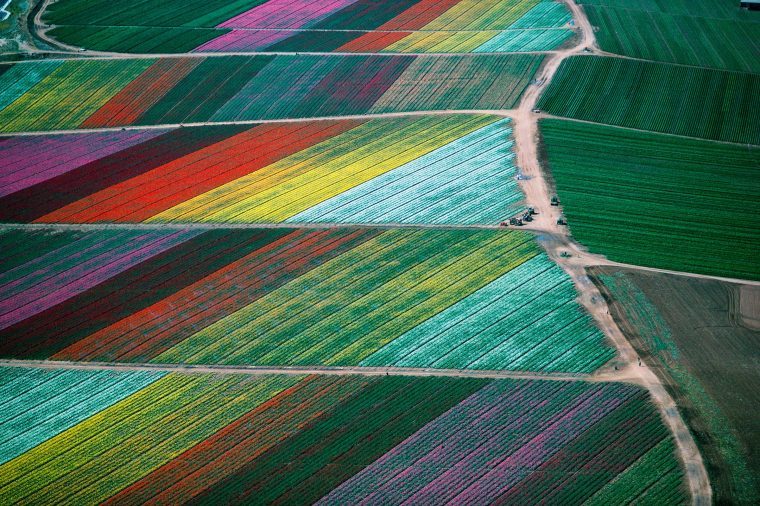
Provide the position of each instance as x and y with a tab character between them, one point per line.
418	26
695	335
446	299
40	96
153	438
690	101
437	169
704	33
658	200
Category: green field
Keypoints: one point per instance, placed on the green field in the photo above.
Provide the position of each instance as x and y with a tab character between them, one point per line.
707	33
695	102
658	200
190	13
691	332
135	39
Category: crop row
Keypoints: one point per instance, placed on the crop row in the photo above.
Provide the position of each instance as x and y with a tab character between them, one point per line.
450	15
28	161
657	200
521	443
453	299
720	9
469	180
439	169
38	404
491	41
287	26
343	440
39	96
730	44
675	99
170	13
86	261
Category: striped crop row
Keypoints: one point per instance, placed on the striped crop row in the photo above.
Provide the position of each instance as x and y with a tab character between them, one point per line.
418	26
433	169
69	94
156	438
451	299
660	97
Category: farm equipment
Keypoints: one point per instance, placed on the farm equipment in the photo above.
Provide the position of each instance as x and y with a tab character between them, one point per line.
527	216
517	222
555	200
561	221
531	211
565	254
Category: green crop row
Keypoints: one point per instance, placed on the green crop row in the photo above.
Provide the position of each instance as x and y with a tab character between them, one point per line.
167	13
689	101
135	39
658	200
718	43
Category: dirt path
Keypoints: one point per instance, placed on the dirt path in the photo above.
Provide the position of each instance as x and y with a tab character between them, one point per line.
41	29
504	113
211	226
556	239
297	370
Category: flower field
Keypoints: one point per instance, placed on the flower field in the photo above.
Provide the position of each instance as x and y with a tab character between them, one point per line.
39	96
705	33
675	99
416	26
174	438
437	169
451	299
657	200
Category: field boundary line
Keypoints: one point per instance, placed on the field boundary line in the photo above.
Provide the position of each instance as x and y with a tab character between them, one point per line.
342	30
89	54
502	113
544	115
298	370
212	226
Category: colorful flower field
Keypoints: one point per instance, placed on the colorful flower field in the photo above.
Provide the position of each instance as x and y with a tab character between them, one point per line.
157	438
428	169
405	26
37	96
451	299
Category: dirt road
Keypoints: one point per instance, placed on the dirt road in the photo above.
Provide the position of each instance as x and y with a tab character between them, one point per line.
296	370
538	195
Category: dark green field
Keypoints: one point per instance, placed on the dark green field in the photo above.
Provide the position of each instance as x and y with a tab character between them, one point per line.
658	200
135	39
190	13
692	333
690	101
707	33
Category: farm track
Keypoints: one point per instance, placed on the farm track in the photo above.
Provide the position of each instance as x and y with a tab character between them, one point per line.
537	193
296	370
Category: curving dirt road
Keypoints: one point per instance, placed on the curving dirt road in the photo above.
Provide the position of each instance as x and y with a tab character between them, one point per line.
556	238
